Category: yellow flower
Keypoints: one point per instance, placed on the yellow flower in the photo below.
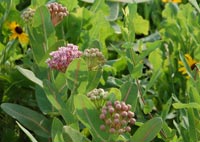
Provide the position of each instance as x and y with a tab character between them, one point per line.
191	63
175	1
17	32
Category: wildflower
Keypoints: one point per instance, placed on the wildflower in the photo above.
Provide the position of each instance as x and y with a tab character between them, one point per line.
61	58
94	58
17	32
175	1
117	117
98	97
27	15
191	63
57	11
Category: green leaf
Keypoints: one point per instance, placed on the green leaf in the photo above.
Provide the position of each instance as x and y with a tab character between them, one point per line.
195	4
30	75
188	69
89	116
189	105
155	59
148	131
55	98
192	126
77	76
69	4
73	135
141	25
42	34
29	118
93	79
56	130
166	108
114	11
30	136
129	92
153	79
114	94
42	101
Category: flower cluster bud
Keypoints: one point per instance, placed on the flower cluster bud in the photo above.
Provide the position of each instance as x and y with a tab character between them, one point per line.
117	117
98	97
94	58
57	11
61	58
27	15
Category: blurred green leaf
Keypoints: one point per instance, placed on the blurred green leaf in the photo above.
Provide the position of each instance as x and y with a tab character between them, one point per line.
114	94
148	131
195	4
141	25
188	105
77	76
89	116
114	11
56	130
129	92
93	79
73	135
192	126
155	58
30	75
29	118
30	136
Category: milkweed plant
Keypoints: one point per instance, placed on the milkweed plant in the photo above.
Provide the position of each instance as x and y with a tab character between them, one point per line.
100	70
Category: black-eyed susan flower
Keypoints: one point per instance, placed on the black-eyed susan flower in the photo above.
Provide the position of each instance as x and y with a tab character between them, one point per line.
175	1
191	63
18	33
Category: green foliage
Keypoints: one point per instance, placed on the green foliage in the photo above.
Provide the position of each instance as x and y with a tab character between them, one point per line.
144	43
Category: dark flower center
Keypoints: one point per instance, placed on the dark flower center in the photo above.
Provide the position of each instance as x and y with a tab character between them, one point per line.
193	66
18	30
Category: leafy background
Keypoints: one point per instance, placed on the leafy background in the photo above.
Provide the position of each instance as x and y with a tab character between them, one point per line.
142	42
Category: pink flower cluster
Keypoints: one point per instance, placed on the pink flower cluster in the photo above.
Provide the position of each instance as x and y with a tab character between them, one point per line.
61	58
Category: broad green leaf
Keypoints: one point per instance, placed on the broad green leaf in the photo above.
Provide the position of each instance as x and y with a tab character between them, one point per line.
77	76
89	116
32	120
141	25
93	79
195	4
55	98
30	75
129	92
42	101
127	1
170	10
155	58
42	34
189	105
30	136
114	94
192	126
114	11
73	135
56	130
37	3
148	131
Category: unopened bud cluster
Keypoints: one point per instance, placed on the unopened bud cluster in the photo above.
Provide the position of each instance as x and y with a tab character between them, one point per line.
94	58
117	117
27	15
98	97
57	11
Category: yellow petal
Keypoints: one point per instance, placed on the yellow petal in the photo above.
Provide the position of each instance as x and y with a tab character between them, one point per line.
23	38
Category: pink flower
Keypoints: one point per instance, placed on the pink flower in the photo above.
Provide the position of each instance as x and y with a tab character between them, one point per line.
61	58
